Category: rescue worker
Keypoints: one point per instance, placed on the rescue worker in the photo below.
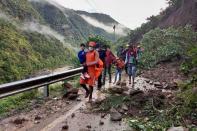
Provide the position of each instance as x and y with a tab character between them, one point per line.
92	59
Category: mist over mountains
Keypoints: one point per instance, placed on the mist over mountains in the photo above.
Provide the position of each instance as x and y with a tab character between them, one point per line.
40	34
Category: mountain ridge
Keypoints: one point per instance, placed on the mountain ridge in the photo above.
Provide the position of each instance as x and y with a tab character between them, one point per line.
74	21
179	13
37	35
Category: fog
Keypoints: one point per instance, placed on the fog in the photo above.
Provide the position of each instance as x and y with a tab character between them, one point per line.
120	29
42	29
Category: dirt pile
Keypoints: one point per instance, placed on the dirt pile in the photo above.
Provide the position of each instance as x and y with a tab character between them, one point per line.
71	93
165	73
185	14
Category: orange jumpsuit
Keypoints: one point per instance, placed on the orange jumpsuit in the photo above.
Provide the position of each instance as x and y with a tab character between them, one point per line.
91	57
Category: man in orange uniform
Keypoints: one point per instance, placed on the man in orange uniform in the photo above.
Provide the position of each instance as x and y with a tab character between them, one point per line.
92	58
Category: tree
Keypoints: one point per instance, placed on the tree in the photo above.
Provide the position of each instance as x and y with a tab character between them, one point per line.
175	3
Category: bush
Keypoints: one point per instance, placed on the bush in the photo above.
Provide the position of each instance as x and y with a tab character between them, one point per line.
191	60
99	39
164	44
16	102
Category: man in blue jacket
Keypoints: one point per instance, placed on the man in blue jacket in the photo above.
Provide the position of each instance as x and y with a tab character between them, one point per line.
82	60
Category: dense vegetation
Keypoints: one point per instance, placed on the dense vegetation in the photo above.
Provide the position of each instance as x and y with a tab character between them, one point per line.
157	21
100	40
164	44
16	54
22	53
74	27
52	51
17	102
22	10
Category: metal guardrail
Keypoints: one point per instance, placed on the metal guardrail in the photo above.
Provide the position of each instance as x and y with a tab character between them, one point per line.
33	83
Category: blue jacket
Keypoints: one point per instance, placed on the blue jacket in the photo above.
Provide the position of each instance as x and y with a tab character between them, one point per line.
82	56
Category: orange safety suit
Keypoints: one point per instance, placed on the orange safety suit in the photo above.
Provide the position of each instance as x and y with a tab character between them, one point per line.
92	58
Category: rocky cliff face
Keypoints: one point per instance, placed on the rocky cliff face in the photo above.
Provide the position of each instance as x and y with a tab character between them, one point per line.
185	14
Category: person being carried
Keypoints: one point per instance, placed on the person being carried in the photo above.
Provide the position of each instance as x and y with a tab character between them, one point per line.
82	60
119	63
131	63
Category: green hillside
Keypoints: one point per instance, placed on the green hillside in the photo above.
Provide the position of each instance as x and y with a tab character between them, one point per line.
29	37
22	10
22	53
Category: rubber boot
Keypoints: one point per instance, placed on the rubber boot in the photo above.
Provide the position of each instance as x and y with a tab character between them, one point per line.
90	91
86	89
133	82
129	80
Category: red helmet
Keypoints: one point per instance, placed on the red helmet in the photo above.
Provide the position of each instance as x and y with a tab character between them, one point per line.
91	43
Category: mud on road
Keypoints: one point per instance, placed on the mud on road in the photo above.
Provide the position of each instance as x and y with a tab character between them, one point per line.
62	114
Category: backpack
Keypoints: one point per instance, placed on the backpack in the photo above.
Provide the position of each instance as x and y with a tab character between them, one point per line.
132	58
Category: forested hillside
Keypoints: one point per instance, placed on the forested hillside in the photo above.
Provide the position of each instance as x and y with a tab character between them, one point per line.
179	13
22	53
169	43
37	35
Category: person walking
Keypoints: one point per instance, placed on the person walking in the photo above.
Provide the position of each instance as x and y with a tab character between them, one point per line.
92	59
108	62
131	63
82	60
124	56
102	55
139	52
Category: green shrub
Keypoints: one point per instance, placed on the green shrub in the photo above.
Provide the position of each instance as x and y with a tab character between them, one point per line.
164	44
20	10
191	60
22	53
16	102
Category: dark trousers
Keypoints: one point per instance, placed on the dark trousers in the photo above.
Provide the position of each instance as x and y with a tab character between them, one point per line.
85	69
126	68
88	91
100	82
99	85
107	69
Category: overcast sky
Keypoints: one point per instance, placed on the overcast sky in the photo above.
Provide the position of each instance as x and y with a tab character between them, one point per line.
131	13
